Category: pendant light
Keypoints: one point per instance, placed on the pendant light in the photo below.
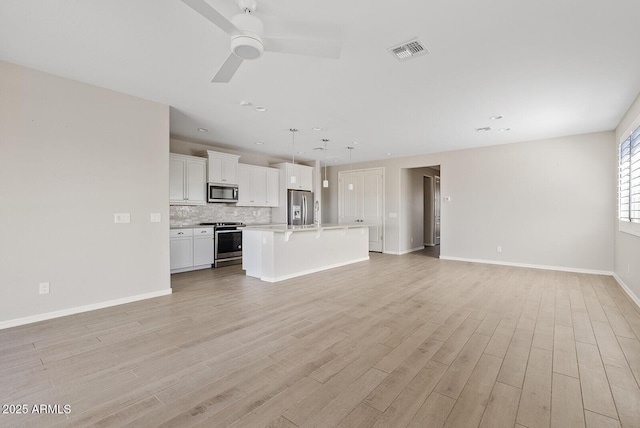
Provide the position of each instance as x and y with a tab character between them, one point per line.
350	168
325	182
293	154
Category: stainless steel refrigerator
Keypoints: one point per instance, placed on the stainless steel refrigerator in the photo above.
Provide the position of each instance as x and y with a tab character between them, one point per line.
300	207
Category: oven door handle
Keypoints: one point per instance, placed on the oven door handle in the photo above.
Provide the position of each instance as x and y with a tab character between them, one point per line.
227	231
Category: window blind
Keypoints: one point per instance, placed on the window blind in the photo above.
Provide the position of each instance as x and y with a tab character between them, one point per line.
629	180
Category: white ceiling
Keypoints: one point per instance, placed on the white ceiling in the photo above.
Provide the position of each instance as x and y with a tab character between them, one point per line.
550	67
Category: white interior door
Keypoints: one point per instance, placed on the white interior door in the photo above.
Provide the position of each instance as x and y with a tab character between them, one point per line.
363	203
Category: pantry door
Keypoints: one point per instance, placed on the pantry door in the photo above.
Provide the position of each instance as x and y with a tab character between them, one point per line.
361	200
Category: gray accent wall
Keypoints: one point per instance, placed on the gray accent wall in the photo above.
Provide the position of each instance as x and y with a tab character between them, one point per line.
71	156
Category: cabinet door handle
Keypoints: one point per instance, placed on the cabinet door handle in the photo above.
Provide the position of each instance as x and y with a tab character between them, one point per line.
180	233
203	231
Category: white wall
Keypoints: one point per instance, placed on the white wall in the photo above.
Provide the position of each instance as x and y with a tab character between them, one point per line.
627	247
547	203
72	155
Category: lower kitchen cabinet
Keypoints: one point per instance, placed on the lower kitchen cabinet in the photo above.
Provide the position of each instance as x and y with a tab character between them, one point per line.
191	249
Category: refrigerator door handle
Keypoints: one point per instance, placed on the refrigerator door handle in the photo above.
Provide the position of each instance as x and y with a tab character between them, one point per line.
304	209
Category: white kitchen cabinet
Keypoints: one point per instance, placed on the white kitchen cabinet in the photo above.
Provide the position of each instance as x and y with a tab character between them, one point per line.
273	187
187	180
302	173
257	186
223	168
181	249
203	250
191	249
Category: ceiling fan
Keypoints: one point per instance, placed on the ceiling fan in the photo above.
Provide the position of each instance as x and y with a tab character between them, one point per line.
247	40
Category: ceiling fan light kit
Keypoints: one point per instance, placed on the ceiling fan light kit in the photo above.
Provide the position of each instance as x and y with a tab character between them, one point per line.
247	45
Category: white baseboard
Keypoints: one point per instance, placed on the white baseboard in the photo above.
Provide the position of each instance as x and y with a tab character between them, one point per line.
314	270
411	250
532	266
627	290
79	309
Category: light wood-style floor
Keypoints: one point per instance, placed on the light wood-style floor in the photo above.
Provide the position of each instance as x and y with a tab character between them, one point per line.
398	341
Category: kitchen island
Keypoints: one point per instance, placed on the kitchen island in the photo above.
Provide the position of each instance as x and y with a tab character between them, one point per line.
277	252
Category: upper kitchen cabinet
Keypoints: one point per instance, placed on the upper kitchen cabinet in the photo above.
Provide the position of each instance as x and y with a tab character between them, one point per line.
303	176
187	180
223	168
257	186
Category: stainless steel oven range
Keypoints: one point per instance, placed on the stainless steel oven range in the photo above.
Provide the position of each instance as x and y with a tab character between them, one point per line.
227	242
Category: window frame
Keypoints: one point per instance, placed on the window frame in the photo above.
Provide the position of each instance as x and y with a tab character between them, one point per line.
629	224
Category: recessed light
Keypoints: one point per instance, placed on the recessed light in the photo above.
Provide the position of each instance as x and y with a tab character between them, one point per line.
259	143
317	128
496	117
300	153
260	108
245	103
203	130
483	129
356	142
389	153
505	129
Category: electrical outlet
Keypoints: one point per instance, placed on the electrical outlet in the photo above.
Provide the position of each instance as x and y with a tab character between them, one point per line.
499	248
44	288
122	218
156	218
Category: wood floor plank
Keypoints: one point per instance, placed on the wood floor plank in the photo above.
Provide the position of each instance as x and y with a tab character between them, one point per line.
566	403
608	345
618	323
626	395
582	330
535	403
469	408
565	360
396	357
401	411
515	361
448	352
433	413
502	407
543	333
596	393
363	416
344	403
461	369
393	384
595	420
631	349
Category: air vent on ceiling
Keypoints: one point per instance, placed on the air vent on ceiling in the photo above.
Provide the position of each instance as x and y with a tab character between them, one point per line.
408	50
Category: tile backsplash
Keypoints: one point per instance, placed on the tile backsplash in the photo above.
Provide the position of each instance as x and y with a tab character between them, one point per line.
189	215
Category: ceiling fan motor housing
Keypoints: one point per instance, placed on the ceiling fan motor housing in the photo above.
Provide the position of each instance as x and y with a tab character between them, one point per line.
248	45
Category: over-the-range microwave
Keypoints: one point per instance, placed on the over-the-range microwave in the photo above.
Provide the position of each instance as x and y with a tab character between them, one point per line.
222	192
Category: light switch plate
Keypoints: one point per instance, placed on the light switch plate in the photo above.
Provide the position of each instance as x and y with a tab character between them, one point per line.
156	217
44	288
122	218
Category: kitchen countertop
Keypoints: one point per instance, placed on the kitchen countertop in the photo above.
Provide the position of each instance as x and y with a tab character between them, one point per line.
195	226
312	227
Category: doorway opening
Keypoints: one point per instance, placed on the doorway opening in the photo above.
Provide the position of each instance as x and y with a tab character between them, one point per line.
430	209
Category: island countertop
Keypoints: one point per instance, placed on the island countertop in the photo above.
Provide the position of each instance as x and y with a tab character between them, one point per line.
306	228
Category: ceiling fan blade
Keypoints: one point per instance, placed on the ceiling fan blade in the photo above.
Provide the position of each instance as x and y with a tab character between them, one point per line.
228	69
206	10
321	48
